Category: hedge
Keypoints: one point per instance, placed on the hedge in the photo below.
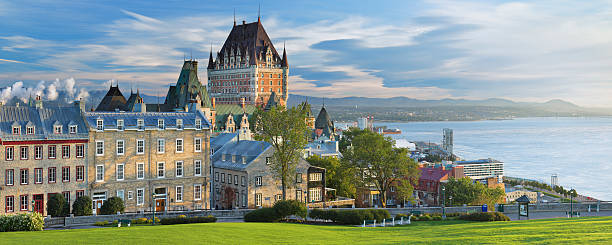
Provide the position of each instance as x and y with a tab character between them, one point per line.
262	215
56	205
485	216
112	206
188	220
22	222
287	208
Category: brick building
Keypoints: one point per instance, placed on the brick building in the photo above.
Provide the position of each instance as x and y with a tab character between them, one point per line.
43	152
428	190
136	154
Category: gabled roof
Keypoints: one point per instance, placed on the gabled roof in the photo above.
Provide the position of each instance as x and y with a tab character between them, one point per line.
323	121
112	100
223	110
132	100
272	101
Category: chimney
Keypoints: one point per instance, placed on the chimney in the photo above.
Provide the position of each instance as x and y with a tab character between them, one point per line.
212	102
242	103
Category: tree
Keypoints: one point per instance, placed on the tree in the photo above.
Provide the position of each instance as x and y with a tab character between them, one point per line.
465	191
378	163
56	205
112	206
287	132
82	206
347	138
338	174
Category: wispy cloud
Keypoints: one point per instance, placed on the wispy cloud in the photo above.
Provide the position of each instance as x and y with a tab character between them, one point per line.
11	61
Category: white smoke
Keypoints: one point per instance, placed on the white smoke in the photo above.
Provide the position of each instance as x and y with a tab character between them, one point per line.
51	92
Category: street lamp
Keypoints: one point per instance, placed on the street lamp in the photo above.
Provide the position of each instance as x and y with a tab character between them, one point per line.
154	206
450	199
443	203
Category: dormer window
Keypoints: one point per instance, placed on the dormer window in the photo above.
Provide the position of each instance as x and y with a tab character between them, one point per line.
73	129
30	130
198	123
100	124
120	125
223	157
234	158
160	123
244	159
179	123
16	130
140	124
57	129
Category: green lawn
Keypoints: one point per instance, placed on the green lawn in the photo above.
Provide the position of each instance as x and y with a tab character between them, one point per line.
576	231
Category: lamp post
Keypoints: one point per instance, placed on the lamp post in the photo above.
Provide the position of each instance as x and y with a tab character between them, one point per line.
443	203
571	204
450	199
154	206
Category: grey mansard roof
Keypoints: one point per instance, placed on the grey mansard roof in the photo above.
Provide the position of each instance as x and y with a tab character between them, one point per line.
43	120
250	149
130	119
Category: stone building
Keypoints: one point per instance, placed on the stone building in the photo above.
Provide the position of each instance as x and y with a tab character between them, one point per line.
243	177
44	152
134	155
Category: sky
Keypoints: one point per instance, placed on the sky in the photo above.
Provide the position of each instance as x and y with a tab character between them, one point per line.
520	50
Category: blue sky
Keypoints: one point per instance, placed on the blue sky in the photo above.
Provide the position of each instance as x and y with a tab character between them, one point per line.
519	50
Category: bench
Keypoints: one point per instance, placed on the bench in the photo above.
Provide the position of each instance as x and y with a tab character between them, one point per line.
369	222
416	212
575	213
401	221
124	221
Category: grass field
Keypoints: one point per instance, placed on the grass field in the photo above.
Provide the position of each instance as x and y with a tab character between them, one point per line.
576	231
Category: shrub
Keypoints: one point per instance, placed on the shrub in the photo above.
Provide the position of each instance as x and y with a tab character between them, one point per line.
185	220
436	217
157	221
101	223
82	206
112	206
287	208
182	216
56	205
330	214
485	216
262	215
317	214
399	216
22	222
380	214
140	221
425	217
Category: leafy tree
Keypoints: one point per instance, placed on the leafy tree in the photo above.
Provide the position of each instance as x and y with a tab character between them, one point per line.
112	206
378	163
287	132
466	191
56	205
347	138
82	206
337	174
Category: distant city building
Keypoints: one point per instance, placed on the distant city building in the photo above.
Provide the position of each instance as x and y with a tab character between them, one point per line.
447	140
482	169
511	196
554	180
362	122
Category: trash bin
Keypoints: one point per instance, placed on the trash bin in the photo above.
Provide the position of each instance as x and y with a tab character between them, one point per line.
484	208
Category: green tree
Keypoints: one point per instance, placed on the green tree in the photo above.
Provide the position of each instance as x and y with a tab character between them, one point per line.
347	138
337	174
287	132
112	206
466	191
378	163
82	206
56	205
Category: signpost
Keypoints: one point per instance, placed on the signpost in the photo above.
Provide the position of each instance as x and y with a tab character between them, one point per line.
523	203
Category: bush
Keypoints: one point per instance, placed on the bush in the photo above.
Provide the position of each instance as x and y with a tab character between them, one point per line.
22	222
330	214
380	214
157	221
185	220
287	208
399	216
485	216
425	217
101	223
436	217
112	206
262	215
56	205
140	221
82	206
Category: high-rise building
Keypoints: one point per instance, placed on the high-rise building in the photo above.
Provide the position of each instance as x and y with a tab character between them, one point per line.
554	180
248	67
447	140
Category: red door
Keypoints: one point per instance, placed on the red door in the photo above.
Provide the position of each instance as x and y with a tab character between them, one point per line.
39	203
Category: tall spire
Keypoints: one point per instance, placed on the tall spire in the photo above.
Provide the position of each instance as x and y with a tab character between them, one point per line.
234	16
211	64
259	13
284	62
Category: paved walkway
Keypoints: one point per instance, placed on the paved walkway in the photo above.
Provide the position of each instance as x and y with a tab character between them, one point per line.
555	214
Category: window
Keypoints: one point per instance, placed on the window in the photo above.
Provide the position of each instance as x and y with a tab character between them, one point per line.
80	150
392	188
99	173
229	179
140	124
120	125
66	196
161	173
52	174
278	197
130	195
120	194
17	130
38	176
197	192
161	145
80	193
243	181
198	123
65	174
30	130
100	124
197	144
179	194
23	201
258	181
314	194
72	129
268	160
140	146
120	147
65	151
9	153
258	199
23	153
9	177
222	177
160	123
38	152
99	148
179	145
179	123
197	167
139	196
179	169
80	173
235	179
315	177
140	170
298	195
24	176
120	169
52	152
298	178
9	204
57	129
216	176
